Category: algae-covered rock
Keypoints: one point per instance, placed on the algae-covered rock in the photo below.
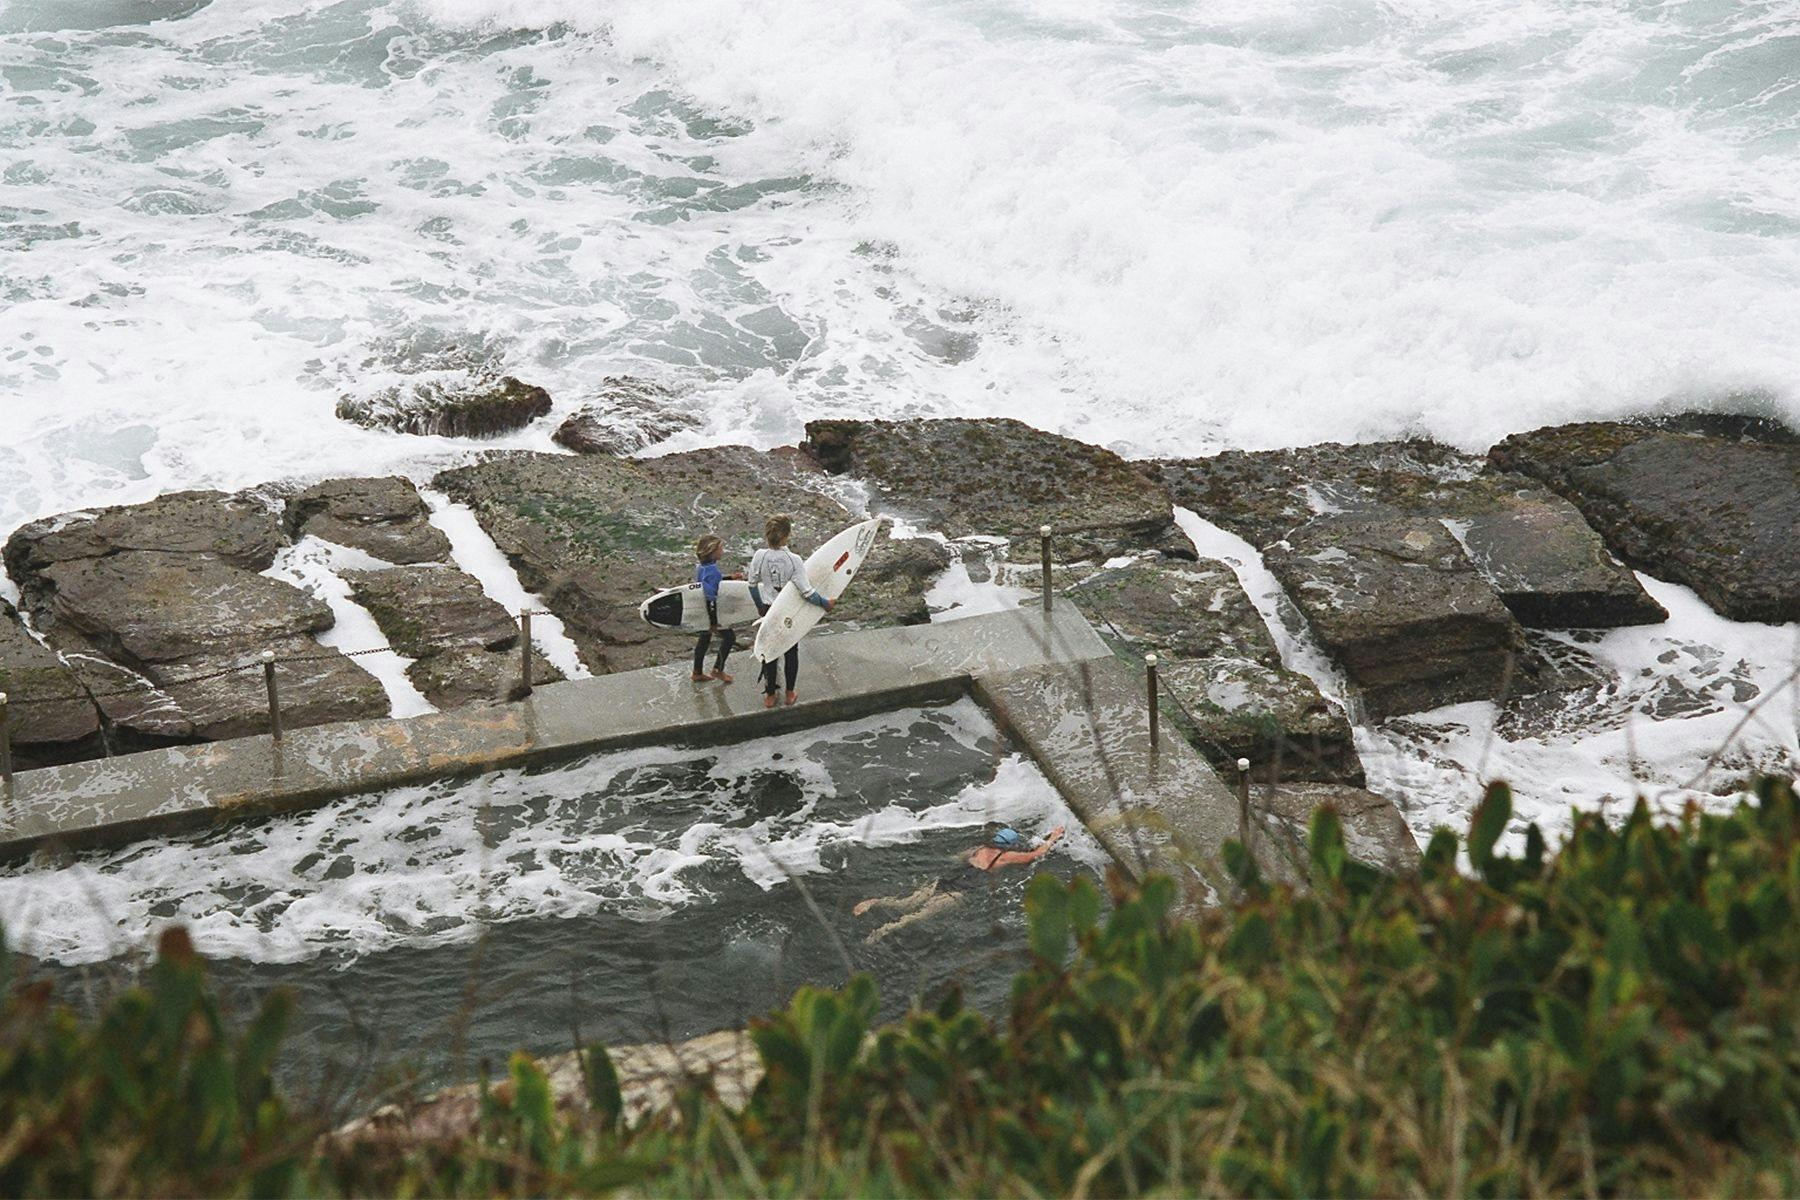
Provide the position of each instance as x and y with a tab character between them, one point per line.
594	535
628	415
464	645
1398	603
1550	568
1224	668
479	407
1003	478
1718	514
384	517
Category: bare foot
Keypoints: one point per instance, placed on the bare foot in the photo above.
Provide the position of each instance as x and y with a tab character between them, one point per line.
769	700
699	678
721	676
793	697
862	908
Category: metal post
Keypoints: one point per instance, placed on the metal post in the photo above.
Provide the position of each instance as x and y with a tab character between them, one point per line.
5	741
1150	676
525	651
1044	537
268	662
1243	766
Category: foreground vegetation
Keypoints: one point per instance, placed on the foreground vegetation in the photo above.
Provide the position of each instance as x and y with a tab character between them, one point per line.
1617	1018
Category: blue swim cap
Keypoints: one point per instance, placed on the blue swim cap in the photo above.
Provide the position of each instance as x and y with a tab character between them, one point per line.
1006	839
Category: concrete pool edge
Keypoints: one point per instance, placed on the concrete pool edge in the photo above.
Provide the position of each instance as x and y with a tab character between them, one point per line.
1048	680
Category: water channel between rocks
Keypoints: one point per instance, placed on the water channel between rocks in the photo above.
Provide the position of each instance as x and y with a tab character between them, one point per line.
638	895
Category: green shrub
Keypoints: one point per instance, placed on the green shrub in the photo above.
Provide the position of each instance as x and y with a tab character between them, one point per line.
1621	1016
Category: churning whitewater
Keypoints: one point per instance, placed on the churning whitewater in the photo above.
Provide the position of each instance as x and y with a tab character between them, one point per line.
1166	229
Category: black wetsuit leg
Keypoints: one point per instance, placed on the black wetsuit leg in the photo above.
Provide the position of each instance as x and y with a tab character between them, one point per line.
727	642
769	676
791	660
700	652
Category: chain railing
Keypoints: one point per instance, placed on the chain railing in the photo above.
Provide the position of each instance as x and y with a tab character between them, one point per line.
267	662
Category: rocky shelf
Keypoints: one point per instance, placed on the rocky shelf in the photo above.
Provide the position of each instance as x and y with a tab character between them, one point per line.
1426	573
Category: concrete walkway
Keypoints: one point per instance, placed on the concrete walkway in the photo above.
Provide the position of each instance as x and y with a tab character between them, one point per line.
1049	680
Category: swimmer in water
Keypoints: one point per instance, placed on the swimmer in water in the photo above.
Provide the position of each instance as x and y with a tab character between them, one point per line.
1005	849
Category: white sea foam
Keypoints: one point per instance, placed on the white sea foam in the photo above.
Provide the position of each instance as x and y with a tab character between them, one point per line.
434	864
1163	229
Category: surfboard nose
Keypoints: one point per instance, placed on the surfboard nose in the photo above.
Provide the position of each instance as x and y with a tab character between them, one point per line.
663	610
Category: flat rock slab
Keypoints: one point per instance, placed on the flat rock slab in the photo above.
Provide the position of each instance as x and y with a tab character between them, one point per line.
1532	546
45	727
464	645
237	530
1374	830
1003	478
385	518
650	1075
1718	514
161	611
1221	664
594	535
1400	606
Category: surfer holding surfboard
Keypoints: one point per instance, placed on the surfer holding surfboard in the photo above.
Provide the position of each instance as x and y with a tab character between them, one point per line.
772	570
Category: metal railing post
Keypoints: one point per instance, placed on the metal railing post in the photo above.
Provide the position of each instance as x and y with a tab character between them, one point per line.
1243	766
268	662
525	651
6	768
1150	677
1044	538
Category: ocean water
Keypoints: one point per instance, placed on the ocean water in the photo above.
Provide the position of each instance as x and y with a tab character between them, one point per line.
616	892
1165	228
1162	227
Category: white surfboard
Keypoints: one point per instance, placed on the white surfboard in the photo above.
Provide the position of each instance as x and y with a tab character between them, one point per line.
685	607
829	570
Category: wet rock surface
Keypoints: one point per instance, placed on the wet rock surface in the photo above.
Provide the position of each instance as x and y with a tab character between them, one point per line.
479	407
465	645
1003	478
629	415
1531	545
385	518
650	1075
1221	664
1375	832
45	729
1718	514
1399	605
594	535
154	605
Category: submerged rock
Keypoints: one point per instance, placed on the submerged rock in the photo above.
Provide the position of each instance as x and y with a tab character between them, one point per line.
1399	605
157	605
594	535
474	408
1003	478
45	727
465	645
1220	662
1532	546
385	517
629	415
1718	514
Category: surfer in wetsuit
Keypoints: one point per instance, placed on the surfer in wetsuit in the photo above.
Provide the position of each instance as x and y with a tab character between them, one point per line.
770	570
708	576
1005	849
